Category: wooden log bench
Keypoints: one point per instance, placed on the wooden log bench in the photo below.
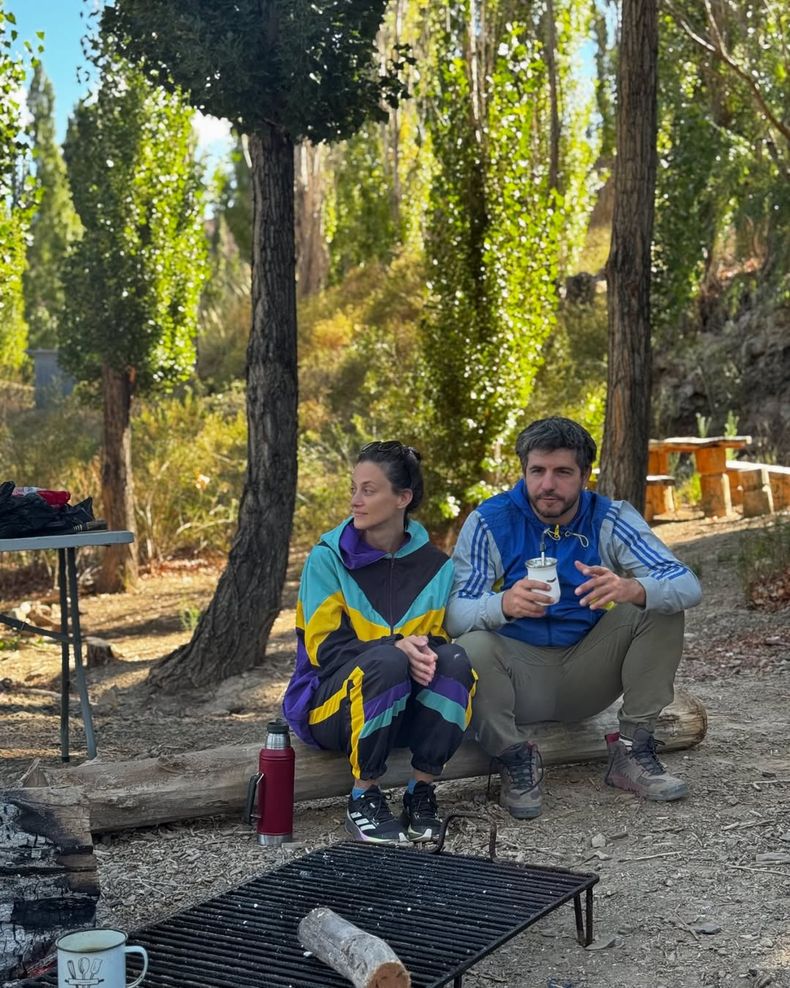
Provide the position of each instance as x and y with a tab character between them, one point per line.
759	488
709	460
659	495
145	792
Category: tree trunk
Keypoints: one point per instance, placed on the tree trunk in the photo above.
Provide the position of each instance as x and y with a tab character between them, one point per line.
232	634
550	56
627	422
312	260
119	562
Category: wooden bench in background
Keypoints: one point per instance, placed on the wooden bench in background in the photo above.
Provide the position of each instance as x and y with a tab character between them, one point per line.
710	455
659	493
759	488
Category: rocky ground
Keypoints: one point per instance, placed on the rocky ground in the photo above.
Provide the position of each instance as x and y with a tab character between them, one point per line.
690	894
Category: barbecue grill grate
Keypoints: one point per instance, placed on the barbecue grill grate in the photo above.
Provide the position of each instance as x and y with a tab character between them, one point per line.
441	913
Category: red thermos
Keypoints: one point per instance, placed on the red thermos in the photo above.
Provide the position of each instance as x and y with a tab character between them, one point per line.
274	787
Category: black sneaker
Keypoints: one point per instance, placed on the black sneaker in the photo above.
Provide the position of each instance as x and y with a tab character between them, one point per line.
369	818
420	814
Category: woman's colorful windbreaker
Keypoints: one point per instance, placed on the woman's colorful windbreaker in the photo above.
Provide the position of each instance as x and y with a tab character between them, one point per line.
352	597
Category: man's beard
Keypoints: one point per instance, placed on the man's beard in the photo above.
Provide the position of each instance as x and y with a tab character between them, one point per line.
555	508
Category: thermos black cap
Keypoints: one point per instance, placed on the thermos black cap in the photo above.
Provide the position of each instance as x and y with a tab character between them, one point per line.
277	727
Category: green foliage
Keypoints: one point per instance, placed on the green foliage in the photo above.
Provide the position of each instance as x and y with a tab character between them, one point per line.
605	71
235	200
691	149
133	282
498	236
16	197
362	216
189	617
722	180
189	457
225	312
189	460
64	453
572	379
308	66
359	380
54	224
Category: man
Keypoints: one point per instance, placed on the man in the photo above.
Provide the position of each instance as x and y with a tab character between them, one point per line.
569	660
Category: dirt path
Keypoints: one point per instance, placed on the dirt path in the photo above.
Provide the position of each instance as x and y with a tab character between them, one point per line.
690	894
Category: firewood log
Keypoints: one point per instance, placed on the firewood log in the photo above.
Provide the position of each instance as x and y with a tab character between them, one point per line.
366	960
48	877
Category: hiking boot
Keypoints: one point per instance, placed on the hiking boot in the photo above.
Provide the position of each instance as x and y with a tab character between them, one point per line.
420	816
639	770
369	818
522	774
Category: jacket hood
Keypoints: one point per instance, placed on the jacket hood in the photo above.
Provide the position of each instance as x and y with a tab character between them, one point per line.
354	552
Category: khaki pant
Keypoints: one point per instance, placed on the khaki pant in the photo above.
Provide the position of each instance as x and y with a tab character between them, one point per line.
630	651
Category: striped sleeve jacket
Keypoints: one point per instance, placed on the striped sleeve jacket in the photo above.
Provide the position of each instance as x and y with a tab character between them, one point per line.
503	533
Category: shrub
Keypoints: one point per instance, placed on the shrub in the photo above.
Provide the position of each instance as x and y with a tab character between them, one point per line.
189	456
764	564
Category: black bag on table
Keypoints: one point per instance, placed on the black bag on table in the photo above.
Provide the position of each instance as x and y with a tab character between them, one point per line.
28	515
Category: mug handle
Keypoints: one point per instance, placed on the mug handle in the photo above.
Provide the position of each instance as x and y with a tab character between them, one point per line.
144	954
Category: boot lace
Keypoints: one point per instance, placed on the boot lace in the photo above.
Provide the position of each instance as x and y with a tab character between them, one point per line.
526	771
647	758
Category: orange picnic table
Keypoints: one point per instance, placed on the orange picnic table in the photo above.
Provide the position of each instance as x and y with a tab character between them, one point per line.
710	462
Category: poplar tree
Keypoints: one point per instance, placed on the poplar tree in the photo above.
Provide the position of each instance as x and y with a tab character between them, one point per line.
54	224
133	281
15	199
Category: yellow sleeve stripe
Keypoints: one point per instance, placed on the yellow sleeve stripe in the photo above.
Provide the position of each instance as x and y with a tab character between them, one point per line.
323	622
328	617
429	623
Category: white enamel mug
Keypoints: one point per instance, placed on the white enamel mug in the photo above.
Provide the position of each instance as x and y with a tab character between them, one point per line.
545	570
96	959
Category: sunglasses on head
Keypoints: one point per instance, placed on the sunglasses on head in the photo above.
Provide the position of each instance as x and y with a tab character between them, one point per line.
388	446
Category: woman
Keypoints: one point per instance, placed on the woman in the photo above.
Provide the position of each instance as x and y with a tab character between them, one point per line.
374	667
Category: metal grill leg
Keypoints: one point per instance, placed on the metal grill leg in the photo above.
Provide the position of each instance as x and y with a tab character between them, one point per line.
577	909
584	926
459	980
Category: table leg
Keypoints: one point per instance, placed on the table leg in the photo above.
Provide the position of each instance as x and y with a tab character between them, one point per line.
79	669
711	465
65	680
657	461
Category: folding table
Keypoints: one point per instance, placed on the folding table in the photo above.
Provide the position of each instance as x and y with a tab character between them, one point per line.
69	636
